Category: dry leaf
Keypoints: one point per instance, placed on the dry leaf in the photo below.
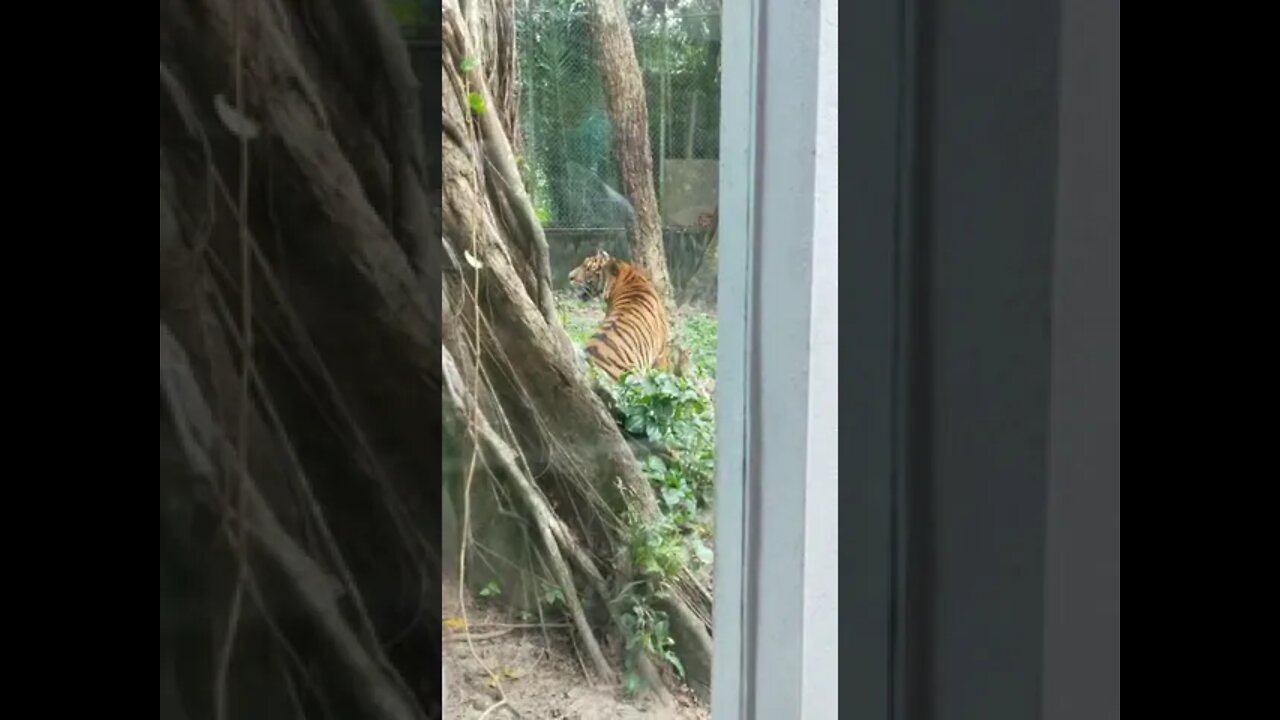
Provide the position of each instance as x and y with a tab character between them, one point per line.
506	672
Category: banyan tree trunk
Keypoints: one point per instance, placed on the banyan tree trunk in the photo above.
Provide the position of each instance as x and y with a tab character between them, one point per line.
300	373
538	418
624	94
305	355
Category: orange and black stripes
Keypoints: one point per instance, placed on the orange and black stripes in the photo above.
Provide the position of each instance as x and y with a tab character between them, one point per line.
634	333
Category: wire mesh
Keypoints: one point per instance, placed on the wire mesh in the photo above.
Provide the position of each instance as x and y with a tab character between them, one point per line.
564	123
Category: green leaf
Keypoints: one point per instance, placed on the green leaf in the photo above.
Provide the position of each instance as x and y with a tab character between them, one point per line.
635	423
668	385
491	589
653	430
675	663
476	101
468	64
672	496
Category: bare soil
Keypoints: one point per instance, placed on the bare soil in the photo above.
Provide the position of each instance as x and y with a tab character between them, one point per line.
538	670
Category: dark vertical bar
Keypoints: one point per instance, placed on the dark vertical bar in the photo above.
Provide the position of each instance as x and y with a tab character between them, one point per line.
913	621
873	84
976	244
994	173
1082	584
426	56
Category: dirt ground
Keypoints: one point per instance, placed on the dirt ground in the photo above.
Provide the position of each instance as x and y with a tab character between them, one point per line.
539	672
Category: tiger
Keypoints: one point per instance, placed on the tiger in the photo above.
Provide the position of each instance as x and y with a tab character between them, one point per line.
635	334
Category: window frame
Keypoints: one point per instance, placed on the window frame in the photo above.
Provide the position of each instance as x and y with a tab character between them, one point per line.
776	304
982	511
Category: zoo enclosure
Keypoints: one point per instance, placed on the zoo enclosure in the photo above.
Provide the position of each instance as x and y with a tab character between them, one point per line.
565	135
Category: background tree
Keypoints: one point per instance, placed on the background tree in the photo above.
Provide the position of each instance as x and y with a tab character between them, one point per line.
625	98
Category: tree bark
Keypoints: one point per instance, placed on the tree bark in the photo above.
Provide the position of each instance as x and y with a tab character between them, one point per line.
530	378
491	24
303	492
318	246
625	98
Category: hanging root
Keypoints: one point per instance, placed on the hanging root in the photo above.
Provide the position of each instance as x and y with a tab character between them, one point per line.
311	589
557	539
460	401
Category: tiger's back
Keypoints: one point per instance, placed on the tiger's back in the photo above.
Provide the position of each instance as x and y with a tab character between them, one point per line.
635	331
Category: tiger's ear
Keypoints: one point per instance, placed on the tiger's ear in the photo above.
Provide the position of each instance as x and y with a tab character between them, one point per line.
612	267
602	253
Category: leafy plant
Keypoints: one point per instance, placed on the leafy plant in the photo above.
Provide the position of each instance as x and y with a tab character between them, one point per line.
677	416
675	413
646	630
657	547
664	408
552	596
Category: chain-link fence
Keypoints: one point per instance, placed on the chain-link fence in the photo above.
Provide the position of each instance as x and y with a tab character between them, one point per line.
565	127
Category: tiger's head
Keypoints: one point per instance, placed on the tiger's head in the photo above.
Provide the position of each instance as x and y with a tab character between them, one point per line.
588	280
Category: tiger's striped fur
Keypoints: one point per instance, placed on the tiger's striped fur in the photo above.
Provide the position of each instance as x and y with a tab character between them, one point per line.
635	331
